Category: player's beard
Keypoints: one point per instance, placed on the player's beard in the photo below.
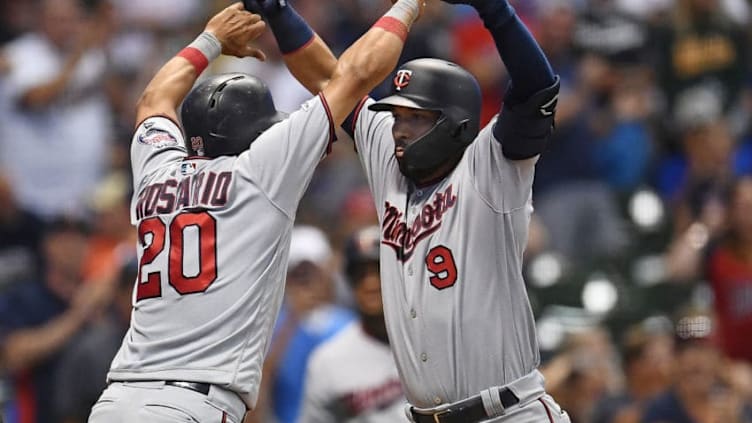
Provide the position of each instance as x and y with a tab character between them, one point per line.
422	176
410	172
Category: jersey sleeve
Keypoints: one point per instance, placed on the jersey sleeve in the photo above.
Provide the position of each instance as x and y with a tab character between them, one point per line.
282	160
372	133
157	140
503	183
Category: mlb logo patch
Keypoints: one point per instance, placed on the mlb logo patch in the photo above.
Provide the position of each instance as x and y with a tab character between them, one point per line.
187	168
157	138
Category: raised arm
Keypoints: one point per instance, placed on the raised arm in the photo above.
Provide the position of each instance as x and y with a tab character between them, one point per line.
528	67
228	32
313	64
530	102
370	59
360	68
306	55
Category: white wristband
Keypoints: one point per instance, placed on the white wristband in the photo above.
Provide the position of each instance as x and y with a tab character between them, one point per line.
406	11
208	44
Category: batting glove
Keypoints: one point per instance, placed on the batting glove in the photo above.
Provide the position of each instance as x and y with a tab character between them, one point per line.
266	8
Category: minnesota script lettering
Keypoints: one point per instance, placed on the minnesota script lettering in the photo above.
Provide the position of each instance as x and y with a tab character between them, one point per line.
403	239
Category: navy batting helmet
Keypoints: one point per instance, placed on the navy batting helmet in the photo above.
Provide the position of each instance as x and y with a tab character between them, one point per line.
223	114
361	248
438	85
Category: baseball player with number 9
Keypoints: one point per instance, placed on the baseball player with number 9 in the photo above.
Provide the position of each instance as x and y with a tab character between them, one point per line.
454	205
214	204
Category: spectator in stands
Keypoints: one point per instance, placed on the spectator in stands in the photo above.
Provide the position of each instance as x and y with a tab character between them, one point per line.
111	231
161	16
81	372
15	18
647	355
352	377
615	44
309	316
699	393
474	49
695	182
55	134
357	211
729	271
583	372
705	159
39	318
700	47
20	237
575	205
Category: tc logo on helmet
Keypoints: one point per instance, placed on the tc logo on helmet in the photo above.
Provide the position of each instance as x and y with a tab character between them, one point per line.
402	78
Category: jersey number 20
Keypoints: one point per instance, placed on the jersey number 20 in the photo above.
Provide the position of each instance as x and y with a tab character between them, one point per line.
206	259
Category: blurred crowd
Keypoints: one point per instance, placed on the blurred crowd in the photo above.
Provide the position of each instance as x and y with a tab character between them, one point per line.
639	261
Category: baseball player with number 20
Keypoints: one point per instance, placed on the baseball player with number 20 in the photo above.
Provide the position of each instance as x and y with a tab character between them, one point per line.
214	205
454	204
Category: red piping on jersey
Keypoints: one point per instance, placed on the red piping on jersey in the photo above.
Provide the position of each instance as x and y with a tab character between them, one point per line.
356	114
224	417
548	412
332	136
196	158
162	116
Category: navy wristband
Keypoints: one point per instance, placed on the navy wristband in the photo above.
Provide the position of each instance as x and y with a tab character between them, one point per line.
291	30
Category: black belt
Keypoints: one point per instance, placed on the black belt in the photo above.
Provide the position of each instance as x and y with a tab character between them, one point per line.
201	388
466	411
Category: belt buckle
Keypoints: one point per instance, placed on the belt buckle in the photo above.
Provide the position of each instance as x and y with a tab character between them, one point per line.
437	415
181	384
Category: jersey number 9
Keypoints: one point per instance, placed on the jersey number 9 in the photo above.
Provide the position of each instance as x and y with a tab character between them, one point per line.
440	262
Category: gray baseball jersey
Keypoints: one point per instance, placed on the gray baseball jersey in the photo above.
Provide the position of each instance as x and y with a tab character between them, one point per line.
214	237
455	301
352	378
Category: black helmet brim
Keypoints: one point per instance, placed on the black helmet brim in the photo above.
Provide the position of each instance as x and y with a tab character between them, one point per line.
386	104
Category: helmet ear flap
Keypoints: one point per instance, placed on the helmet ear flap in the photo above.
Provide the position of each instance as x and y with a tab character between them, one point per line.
461	127
464	133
